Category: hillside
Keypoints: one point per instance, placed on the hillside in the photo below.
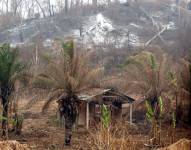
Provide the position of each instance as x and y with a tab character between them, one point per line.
136	25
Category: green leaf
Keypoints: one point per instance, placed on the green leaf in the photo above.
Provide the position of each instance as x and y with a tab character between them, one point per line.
148	116
153	63
105	118
10	65
150	112
161	105
2	118
68	49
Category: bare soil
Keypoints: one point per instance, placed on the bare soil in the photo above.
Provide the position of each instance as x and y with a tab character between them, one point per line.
42	132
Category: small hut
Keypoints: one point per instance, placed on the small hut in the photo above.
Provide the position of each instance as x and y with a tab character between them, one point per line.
91	101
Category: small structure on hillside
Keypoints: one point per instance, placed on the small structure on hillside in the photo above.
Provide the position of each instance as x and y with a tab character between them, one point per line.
91	101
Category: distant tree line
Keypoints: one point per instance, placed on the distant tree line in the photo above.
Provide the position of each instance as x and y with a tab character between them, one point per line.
30	8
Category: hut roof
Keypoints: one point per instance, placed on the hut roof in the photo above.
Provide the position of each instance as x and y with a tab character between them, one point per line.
92	94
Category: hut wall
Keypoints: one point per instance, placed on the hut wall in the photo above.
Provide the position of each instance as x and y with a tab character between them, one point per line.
82	115
125	109
116	113
92	113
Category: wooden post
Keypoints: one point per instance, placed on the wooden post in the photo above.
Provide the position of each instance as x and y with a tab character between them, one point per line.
77	121
179	11
87	115
131	113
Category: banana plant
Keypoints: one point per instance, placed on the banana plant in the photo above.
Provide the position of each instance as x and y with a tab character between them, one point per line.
161	106
151	113
105	116
16	122
152	62
3	118
155	119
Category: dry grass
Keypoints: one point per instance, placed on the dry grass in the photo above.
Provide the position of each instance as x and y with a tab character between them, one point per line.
183	144
40	132
116	137
12	145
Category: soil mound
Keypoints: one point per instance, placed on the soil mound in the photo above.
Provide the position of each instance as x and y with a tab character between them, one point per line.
12	145
182	144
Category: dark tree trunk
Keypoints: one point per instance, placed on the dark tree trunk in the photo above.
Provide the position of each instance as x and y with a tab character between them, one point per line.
5	93
154	101
68	109
68	130
5	117
189	114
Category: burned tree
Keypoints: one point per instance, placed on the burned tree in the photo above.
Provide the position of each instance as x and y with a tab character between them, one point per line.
68	109
67	74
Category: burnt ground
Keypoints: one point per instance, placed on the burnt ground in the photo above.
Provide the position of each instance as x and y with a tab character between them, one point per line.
42	132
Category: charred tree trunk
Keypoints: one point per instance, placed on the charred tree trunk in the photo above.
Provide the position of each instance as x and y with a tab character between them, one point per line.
68	130
68	109
189	113
5	117
5	93
154	101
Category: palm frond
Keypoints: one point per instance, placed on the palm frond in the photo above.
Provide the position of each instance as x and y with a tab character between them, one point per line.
43	82
10	65
52	96
31	102
70	72
148	72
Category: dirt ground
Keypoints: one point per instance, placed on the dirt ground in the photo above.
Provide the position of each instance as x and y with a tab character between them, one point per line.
42	132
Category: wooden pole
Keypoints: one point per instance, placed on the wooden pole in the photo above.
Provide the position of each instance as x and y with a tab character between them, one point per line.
131	113
87	115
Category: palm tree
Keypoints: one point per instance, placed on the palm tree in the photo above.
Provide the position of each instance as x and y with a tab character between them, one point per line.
64	77
149	74
11	69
